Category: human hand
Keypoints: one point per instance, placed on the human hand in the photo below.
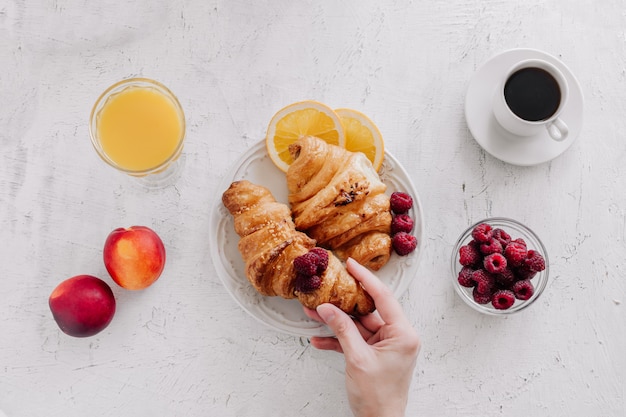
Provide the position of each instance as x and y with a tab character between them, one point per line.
380	349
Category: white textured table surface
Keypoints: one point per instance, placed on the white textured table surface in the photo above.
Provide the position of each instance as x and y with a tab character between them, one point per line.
183	347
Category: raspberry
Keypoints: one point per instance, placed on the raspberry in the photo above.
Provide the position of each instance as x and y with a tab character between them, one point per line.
484	281
403	243
469	255
493	246
480	298
501	236
506	278
523	273
482	233
314	262
322	259
401	223
306	264
503	299
515	253
534	261
307	284
520	241
465	277
400	202
523	289
319	251
494	263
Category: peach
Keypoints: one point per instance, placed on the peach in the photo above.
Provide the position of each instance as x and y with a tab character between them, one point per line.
82	305
134	257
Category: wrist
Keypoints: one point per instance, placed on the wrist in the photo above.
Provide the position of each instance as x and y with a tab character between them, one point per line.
384	410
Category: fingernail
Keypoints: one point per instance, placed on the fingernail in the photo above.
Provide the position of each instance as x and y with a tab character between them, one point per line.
327	313
352	263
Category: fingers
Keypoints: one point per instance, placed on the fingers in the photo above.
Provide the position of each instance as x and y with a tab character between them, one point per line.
388	307
326	343
352	335
367	325
365	333
341	324
312	314
323	343
371	322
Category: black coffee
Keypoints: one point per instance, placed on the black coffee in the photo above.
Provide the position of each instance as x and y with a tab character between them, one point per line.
532	94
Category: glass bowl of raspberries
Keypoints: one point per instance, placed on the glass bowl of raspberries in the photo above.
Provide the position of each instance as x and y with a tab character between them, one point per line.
499	266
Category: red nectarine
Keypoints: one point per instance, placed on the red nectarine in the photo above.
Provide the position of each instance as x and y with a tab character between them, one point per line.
82	305
134	257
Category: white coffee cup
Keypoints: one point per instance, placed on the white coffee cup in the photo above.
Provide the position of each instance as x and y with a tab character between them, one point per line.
530	98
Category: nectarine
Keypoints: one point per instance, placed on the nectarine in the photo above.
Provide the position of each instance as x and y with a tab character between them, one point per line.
134	257
82	305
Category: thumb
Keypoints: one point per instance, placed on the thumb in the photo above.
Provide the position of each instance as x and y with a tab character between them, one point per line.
342	325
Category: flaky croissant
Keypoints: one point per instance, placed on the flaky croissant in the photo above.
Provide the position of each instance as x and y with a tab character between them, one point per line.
269	244
337	198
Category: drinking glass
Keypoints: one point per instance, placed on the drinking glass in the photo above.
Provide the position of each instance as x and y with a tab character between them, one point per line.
137	126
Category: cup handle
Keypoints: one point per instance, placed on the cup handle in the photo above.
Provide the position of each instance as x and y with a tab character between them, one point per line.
557	129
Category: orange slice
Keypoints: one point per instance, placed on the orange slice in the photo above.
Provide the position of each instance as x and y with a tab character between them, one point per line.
362	135
304	118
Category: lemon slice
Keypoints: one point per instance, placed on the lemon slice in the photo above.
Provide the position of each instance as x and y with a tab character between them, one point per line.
304	118
362	135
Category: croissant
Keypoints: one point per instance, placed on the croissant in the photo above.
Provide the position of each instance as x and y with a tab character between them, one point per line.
269	245
337	198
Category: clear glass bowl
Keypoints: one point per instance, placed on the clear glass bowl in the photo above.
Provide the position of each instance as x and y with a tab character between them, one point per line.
516	230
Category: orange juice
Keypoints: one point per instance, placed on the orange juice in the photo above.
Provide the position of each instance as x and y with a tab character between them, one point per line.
139	127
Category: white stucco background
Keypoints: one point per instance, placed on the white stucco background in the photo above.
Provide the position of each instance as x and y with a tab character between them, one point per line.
183	347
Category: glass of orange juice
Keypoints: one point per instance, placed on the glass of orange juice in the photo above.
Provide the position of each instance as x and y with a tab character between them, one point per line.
138	126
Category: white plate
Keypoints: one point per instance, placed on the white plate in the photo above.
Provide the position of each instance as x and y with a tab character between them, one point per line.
502	144
287	315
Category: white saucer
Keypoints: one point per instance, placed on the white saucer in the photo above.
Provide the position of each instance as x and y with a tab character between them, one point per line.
500	143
